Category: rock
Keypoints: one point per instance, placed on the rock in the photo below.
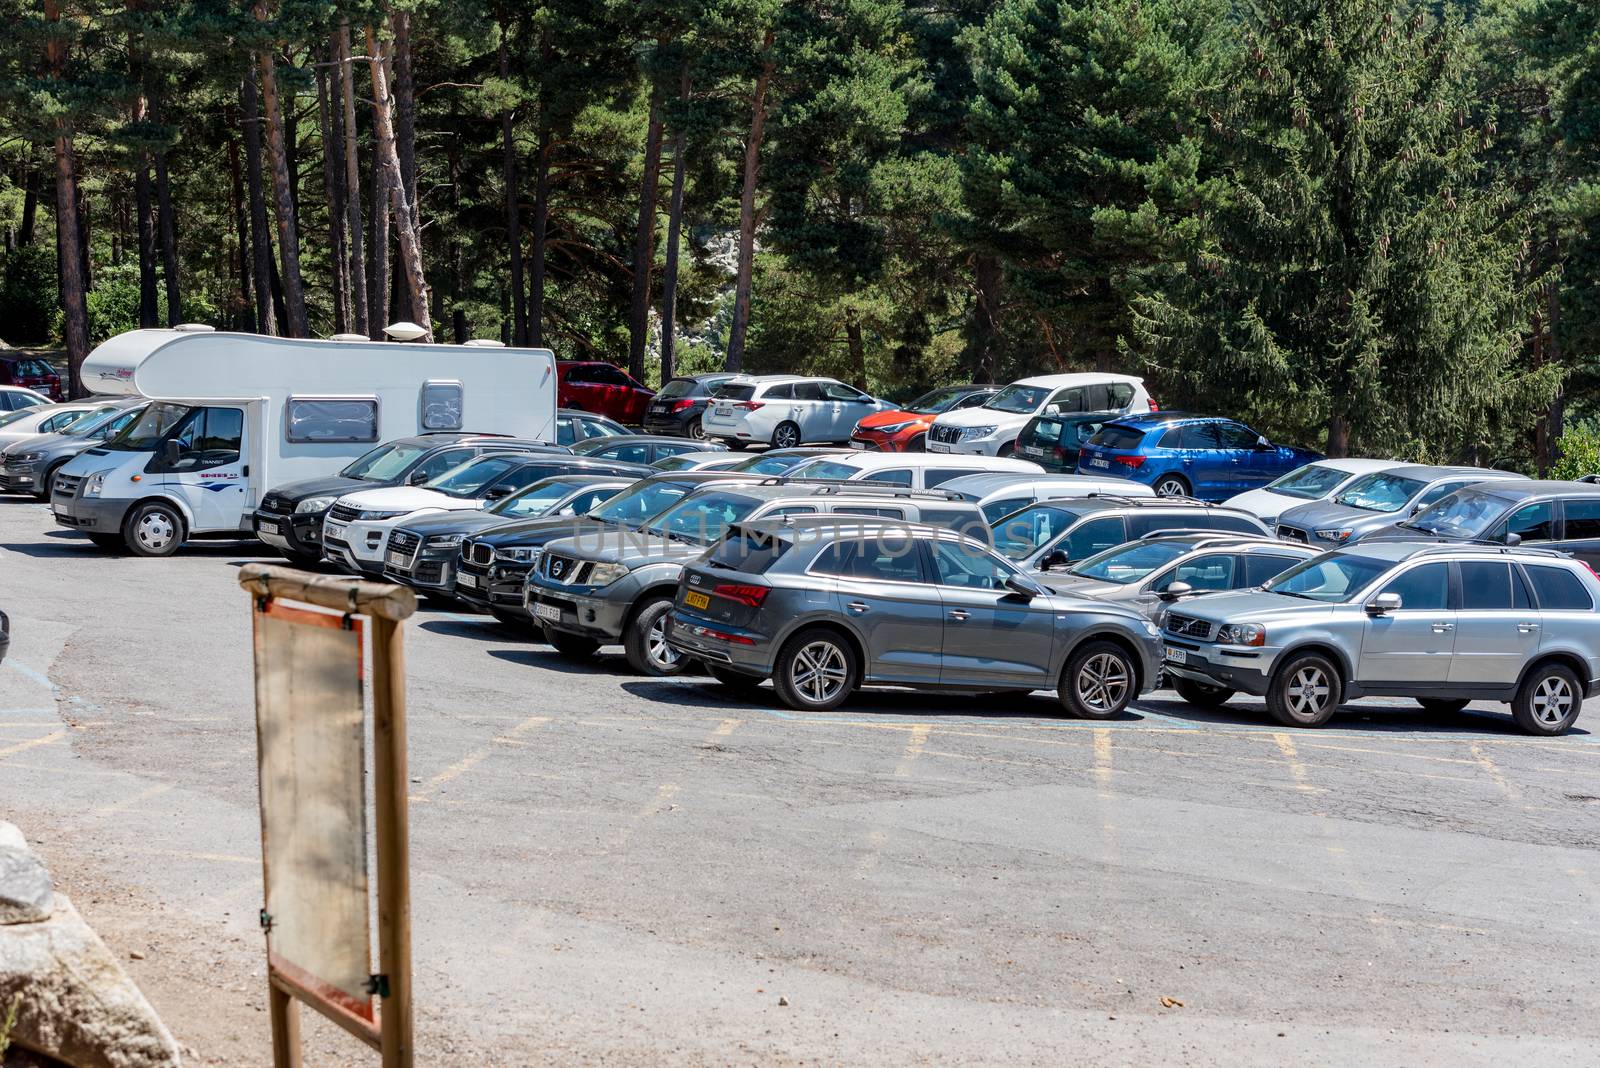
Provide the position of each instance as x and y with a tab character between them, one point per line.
783	1001
77	1004
25	887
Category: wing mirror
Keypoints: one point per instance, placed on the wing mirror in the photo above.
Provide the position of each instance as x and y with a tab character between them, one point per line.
496	494
418	477
1175	590
1023	588
1513	540
1262	444
1383	604
1053	558
171	452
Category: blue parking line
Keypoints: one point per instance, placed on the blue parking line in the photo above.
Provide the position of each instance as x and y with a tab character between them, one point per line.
29	673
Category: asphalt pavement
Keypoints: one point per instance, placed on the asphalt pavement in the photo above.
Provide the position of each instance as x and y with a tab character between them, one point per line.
613	869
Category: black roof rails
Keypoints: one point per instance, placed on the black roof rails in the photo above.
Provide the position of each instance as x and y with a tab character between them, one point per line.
872	488
1489	547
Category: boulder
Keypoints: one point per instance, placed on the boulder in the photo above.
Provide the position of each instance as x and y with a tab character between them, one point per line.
25	890
78	1005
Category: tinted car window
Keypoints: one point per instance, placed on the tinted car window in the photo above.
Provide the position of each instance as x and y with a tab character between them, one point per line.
1214	571
735	392
965	567
1069	400
1426	588
678	387
932	478
862	509
1235	435
807	391
1485	585
1117	436
1558	588
1142	524
1308	483
745	551
898	477
1176	438
994	511
439	463
633	454
1119	395
1236	524
1433	493
1583	518
1531	522
782	391
1097	535
886	560
1259	567
840	392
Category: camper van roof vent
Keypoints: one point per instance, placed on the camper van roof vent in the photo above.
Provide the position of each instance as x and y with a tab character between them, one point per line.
404	331
195	328
486	343
348	337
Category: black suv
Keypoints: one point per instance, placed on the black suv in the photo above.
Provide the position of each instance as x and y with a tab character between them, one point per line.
289	517
1542	514
677	408
1059	532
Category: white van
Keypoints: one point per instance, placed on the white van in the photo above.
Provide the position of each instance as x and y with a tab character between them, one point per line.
913	470
992	428
234	414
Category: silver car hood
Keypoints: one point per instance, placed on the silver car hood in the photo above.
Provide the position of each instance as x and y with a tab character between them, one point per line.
46	443
1325	515
1251	606
1081	586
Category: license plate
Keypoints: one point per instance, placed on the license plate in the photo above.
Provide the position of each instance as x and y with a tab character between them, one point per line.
398	558
1031	450
696	600
547	611
858	444
934	446
1099	463
331	529
658	407
469	581
271	526
1176	656
724	409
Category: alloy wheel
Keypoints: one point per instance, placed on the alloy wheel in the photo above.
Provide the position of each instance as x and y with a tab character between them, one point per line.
819	671
697	429
1171	487
787	436
656	648
1552	700
1102	682
1308	691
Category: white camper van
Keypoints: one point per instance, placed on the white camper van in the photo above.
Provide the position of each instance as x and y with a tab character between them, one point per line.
234	414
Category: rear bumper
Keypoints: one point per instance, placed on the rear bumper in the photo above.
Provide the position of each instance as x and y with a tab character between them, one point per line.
742	650
673	425
90	514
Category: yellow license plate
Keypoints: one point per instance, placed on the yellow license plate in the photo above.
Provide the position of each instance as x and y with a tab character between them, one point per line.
696	600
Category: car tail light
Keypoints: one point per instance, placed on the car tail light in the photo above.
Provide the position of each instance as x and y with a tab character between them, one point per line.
1154	407
682	406
1129	461
748	406
751	596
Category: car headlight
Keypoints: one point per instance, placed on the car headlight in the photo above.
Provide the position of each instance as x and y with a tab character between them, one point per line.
314	504
892	428
970	432
518	554
1242	634
444	541
94	484
1334	534
22	457
606	574
1150	628
372	516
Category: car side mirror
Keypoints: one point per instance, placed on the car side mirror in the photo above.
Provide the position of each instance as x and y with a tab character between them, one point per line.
171	452
1383	604
1023	588
1513	540
1175	590
498	493
1053	558
418	477
1262	444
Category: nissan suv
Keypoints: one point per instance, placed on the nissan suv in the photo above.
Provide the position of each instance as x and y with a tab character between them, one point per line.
1444	624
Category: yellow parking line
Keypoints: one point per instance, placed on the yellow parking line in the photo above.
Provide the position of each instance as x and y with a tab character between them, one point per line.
23	747
472	759
128	802
1500	780
1297	768
919	738
1102	759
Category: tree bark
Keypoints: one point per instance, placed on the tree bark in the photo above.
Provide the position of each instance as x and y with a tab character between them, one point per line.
458	274
858	349
1338	436
378	254
332	180
985	319
404	113
747	210
644	243
69	244
246	319
405	225
356	269
541	231
149	313
669	272
260	242
169	240
277	153
508	148
30	202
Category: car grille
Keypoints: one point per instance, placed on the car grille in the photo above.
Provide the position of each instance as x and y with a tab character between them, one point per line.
475	552
67	485
1292	534
406	544
430	573
567	570
1189	626
269	503
945	435
343	513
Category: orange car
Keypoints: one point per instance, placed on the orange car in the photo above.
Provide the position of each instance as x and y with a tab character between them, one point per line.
906	430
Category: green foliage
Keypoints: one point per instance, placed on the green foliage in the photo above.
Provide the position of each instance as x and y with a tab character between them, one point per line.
1580	450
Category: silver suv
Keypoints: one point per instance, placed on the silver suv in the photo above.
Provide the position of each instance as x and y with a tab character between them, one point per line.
1445	624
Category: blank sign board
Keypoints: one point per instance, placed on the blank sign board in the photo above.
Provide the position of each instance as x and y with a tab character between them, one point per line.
312	751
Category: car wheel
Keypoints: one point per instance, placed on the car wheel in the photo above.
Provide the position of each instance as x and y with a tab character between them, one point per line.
1442	706
645	641
1202	694
1548	700
1099	680
1172	486
49	480
107	541
918	444
695	428
154	529
786	435
1305	692
1008	449
734	680
575	646
815	671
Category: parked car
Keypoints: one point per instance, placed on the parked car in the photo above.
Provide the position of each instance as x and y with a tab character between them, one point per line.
1313	482
999	494
1444	624
43	419
423	550
1057	534
1371	502
679	404
603	388
1551	515
1199	456
618	585
289	517
914	470
641	448
13	398
1160	569
1052	440
355	533
992	428
32	373
5	636
906	429
725	460
782	461
30	465
493	565
573	427
786	410
825	604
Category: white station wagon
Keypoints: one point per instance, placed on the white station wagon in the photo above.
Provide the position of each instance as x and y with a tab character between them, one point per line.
786	410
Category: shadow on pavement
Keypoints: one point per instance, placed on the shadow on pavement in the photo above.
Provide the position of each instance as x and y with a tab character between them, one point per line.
1403	717
488	629
887	702
550	660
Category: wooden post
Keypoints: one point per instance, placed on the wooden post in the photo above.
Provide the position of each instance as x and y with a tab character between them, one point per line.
394	867
285	1027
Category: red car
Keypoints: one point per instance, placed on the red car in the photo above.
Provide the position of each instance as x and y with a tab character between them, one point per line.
30	372
602	388
906	429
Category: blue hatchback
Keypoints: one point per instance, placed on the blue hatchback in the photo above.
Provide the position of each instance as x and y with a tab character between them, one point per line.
1189	456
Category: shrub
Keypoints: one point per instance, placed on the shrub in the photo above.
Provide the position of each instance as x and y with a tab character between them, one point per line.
1580	450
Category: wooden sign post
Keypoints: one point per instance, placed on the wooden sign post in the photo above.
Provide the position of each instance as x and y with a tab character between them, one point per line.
310	729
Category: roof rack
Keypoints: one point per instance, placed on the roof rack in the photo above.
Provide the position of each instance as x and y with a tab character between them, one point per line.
1489	547
1165	498
866	487
1214	535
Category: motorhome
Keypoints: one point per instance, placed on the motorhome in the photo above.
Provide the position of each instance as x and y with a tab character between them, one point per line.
235	414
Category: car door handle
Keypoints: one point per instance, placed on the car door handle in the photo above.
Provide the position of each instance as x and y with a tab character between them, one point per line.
1443	628
1527	628
958	614
857	607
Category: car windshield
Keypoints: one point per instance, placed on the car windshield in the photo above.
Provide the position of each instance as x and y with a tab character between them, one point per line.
1018	399
90	420
1130	563
1019	535
673	463
466	480
825	469
589	445
636	505
936	401
1331	577
1463	514
1379	492
146	432
704	517
535	500
769	465
385	463
1309	483
12	417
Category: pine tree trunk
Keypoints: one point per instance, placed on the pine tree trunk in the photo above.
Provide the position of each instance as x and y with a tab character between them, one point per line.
69	243
332	169
356	268
260	241
508	148
458	273
246	318
644	243
405	219
30	201
277	153
985	319
669	273
858	349
379	254
541	230
149	312
405	109
1338	436
169	240
747	211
